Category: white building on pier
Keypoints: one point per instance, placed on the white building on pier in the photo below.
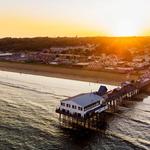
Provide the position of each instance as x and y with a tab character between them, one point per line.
83	105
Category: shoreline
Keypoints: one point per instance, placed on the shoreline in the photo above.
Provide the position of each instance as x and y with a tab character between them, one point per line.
110	78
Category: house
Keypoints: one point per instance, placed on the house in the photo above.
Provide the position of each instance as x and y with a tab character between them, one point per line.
84	104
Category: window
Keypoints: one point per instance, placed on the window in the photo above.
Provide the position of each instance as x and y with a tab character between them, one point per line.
63	104
74	107
91	106
68	105
80	108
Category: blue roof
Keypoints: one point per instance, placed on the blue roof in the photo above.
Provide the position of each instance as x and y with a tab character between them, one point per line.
85	99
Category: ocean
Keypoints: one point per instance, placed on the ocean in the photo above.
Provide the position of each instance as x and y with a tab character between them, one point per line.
28	120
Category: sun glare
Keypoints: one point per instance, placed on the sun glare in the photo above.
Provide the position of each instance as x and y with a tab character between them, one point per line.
125	28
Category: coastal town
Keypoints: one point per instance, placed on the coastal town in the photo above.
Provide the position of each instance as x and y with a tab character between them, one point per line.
82	57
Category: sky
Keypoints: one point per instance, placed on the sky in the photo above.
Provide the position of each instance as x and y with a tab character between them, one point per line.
30	18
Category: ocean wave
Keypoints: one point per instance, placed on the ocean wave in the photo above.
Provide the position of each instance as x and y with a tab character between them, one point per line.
144	122
141	143
32	89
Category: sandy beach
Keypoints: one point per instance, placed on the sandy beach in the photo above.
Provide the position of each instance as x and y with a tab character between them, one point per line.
66	73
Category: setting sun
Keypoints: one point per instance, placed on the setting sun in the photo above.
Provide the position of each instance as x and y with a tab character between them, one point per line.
125	28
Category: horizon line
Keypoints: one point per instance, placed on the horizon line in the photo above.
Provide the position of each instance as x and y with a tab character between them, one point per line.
148	36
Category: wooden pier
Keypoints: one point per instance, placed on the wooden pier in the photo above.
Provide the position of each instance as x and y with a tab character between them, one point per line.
113	99
95	122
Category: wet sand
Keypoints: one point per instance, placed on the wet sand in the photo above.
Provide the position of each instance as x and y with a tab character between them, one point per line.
66	73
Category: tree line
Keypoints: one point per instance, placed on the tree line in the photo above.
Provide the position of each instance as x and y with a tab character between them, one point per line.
108	45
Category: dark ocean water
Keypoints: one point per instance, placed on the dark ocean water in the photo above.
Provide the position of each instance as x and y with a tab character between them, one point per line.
28	119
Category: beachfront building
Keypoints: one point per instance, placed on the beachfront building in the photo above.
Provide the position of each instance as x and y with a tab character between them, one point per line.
42	57
107	62
14	57
59	50
84	105
70	58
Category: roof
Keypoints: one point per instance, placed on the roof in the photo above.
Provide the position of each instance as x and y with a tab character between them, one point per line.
116	93
5	54
85	99
102	90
